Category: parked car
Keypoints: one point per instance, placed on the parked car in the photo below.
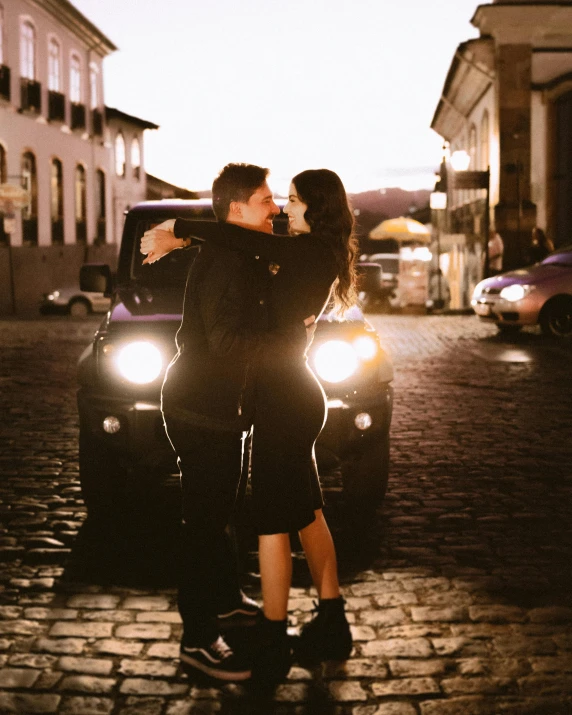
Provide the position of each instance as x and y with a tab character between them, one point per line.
540	294
74	302
378	288
123	448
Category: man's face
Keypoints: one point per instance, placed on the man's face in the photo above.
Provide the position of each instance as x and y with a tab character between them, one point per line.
257	213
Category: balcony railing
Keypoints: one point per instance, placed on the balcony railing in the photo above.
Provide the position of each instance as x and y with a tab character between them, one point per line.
30	231
30	95
101	231
77	116
56	106
4	82
58	231
97	122
80	231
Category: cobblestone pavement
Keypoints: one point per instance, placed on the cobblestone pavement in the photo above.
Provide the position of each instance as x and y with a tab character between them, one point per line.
459	590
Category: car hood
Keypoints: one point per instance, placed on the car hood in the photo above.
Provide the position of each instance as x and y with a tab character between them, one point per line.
537	273
139	304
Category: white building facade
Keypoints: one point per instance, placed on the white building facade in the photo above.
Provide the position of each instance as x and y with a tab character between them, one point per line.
59	141
507	101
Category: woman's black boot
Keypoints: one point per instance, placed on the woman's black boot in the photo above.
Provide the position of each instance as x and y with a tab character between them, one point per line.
273	653
327	636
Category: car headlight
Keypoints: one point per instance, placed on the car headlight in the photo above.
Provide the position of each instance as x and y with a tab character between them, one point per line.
335	361
515	292
139	362
52	296
365	347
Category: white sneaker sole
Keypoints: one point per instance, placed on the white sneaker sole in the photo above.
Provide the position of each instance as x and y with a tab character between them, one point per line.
215	672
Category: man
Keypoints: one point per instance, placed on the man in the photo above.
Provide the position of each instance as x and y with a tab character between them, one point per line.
207	406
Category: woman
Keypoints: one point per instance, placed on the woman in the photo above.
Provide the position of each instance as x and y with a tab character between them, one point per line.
290	413
540	246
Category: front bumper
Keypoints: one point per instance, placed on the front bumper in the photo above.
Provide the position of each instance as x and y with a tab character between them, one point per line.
497	310
142	441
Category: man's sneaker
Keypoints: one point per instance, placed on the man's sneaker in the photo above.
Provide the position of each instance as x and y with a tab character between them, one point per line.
244	612
217	660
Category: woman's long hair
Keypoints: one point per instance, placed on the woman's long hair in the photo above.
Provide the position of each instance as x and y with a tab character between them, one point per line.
329	215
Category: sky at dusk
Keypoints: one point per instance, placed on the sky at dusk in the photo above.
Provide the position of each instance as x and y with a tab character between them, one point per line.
350	86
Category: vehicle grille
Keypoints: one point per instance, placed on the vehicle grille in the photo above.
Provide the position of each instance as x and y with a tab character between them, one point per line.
491	291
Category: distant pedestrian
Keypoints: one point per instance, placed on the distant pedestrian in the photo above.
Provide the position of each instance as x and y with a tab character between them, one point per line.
495	254
540	246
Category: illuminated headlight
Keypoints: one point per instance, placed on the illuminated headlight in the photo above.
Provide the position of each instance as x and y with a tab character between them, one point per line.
54	295
365	347
335	361
515	292
139	362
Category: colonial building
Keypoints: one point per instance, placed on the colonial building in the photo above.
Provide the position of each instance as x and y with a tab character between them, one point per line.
81	162
507	102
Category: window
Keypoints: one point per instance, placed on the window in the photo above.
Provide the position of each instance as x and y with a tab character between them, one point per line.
75	79
30	212
57	201
485	143
120	155
54	65
1	35
27	50
80	204
136	157
3	170
93	87
473	146
100	205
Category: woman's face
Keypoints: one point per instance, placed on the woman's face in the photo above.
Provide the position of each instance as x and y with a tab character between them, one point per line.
295	210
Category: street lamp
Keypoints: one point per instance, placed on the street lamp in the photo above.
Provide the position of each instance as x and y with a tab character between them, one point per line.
438	204
464	179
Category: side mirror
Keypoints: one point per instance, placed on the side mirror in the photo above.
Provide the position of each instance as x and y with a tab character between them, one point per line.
96	278
369	277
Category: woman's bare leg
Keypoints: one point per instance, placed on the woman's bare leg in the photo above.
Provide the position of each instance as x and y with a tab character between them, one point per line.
275	559
318	546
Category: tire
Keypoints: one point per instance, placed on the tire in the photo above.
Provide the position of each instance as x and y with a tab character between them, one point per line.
556	318
365	475
79	308
102	480
507	329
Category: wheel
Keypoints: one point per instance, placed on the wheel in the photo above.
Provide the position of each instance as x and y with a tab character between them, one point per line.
507	329
79	308
556	318
102	480
365	474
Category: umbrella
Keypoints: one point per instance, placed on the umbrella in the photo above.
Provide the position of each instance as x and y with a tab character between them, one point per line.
402	229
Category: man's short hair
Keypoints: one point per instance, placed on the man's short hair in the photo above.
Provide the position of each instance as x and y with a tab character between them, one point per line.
236	182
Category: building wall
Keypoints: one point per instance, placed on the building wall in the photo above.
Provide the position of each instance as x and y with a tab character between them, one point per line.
34	270
127	190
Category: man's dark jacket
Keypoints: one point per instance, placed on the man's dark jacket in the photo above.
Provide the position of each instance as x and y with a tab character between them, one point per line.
211	381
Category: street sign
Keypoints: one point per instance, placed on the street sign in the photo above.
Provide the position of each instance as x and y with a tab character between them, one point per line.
13	196
471	179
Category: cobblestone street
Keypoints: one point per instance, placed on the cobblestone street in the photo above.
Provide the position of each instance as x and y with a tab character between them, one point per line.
459	590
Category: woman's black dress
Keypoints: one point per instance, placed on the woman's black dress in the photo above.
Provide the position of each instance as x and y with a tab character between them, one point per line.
290	406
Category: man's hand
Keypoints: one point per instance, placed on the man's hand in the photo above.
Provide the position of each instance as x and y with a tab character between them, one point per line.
310	324
159	241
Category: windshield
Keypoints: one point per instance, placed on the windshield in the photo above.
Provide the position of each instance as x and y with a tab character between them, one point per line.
558	259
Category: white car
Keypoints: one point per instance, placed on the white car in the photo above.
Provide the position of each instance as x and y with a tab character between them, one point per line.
539	294
74	302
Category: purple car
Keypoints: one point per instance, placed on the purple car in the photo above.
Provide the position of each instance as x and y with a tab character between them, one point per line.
536	295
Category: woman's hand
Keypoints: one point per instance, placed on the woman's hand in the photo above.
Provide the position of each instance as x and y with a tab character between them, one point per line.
159	241
310	324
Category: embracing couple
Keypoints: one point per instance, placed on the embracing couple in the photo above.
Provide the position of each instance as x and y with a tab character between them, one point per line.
250	303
